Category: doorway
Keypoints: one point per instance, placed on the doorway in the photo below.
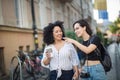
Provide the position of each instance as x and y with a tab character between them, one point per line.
2	64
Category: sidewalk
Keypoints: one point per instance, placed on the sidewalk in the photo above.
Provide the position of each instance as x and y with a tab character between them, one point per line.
4	77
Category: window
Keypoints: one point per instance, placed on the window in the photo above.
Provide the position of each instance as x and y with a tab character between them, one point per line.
8	12
49	15
28	12
28	48
17	11
21	48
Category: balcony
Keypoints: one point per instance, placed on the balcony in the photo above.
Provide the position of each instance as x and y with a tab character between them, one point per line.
64	1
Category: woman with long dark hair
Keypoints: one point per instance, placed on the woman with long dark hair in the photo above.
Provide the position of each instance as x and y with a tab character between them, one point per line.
92	69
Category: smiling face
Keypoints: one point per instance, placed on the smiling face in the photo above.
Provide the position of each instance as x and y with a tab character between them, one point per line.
79	30
57	33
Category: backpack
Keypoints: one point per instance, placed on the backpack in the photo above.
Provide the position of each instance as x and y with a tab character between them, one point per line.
104	57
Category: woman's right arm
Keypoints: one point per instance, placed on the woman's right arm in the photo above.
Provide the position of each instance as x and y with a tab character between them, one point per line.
46	58
85	49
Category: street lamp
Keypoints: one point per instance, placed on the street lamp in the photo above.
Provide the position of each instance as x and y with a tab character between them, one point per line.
35	34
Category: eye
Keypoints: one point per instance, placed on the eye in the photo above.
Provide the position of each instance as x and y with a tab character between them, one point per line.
55	31
76	28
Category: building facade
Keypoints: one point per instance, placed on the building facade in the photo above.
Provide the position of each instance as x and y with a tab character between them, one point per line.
16	30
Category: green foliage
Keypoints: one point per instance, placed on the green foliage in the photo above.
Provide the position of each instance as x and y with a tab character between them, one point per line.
100	35
117	21
114	27
72	35
105	41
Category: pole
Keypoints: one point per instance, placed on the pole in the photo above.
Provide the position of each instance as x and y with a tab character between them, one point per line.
35	34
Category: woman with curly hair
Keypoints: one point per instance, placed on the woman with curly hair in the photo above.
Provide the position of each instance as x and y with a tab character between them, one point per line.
58	54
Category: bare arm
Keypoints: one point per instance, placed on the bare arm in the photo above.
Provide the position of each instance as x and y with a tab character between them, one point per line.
76	72
86	49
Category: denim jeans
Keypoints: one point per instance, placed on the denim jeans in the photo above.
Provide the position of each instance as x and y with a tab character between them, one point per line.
96	72
53	75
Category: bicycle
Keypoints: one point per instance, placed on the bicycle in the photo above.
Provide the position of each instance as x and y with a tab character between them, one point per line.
35	64
29	63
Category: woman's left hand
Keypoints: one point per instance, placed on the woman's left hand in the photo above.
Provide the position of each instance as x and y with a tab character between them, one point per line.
76	75
68	39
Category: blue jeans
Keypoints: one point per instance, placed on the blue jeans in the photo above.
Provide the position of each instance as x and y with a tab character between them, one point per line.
96	72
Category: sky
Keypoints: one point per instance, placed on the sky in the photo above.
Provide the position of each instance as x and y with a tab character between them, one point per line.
113	9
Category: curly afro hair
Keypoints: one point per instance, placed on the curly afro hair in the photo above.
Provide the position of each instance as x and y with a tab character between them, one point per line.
48	32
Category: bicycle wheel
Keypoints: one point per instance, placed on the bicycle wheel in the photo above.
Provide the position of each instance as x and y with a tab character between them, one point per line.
16	69
28	72
27	64
44	73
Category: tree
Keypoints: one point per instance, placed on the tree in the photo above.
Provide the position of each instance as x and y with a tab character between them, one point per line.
72	35
115	26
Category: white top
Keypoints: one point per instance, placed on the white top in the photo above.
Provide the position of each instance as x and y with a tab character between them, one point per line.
64	59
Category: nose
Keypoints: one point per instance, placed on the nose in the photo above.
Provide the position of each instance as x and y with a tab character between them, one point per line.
75	31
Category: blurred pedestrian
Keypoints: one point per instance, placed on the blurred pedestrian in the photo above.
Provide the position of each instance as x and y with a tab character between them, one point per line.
58	54
92	69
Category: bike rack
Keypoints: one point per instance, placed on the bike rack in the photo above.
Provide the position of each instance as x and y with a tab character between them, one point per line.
11	68
18	64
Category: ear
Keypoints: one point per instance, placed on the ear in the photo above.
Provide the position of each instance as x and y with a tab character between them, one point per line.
84	28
